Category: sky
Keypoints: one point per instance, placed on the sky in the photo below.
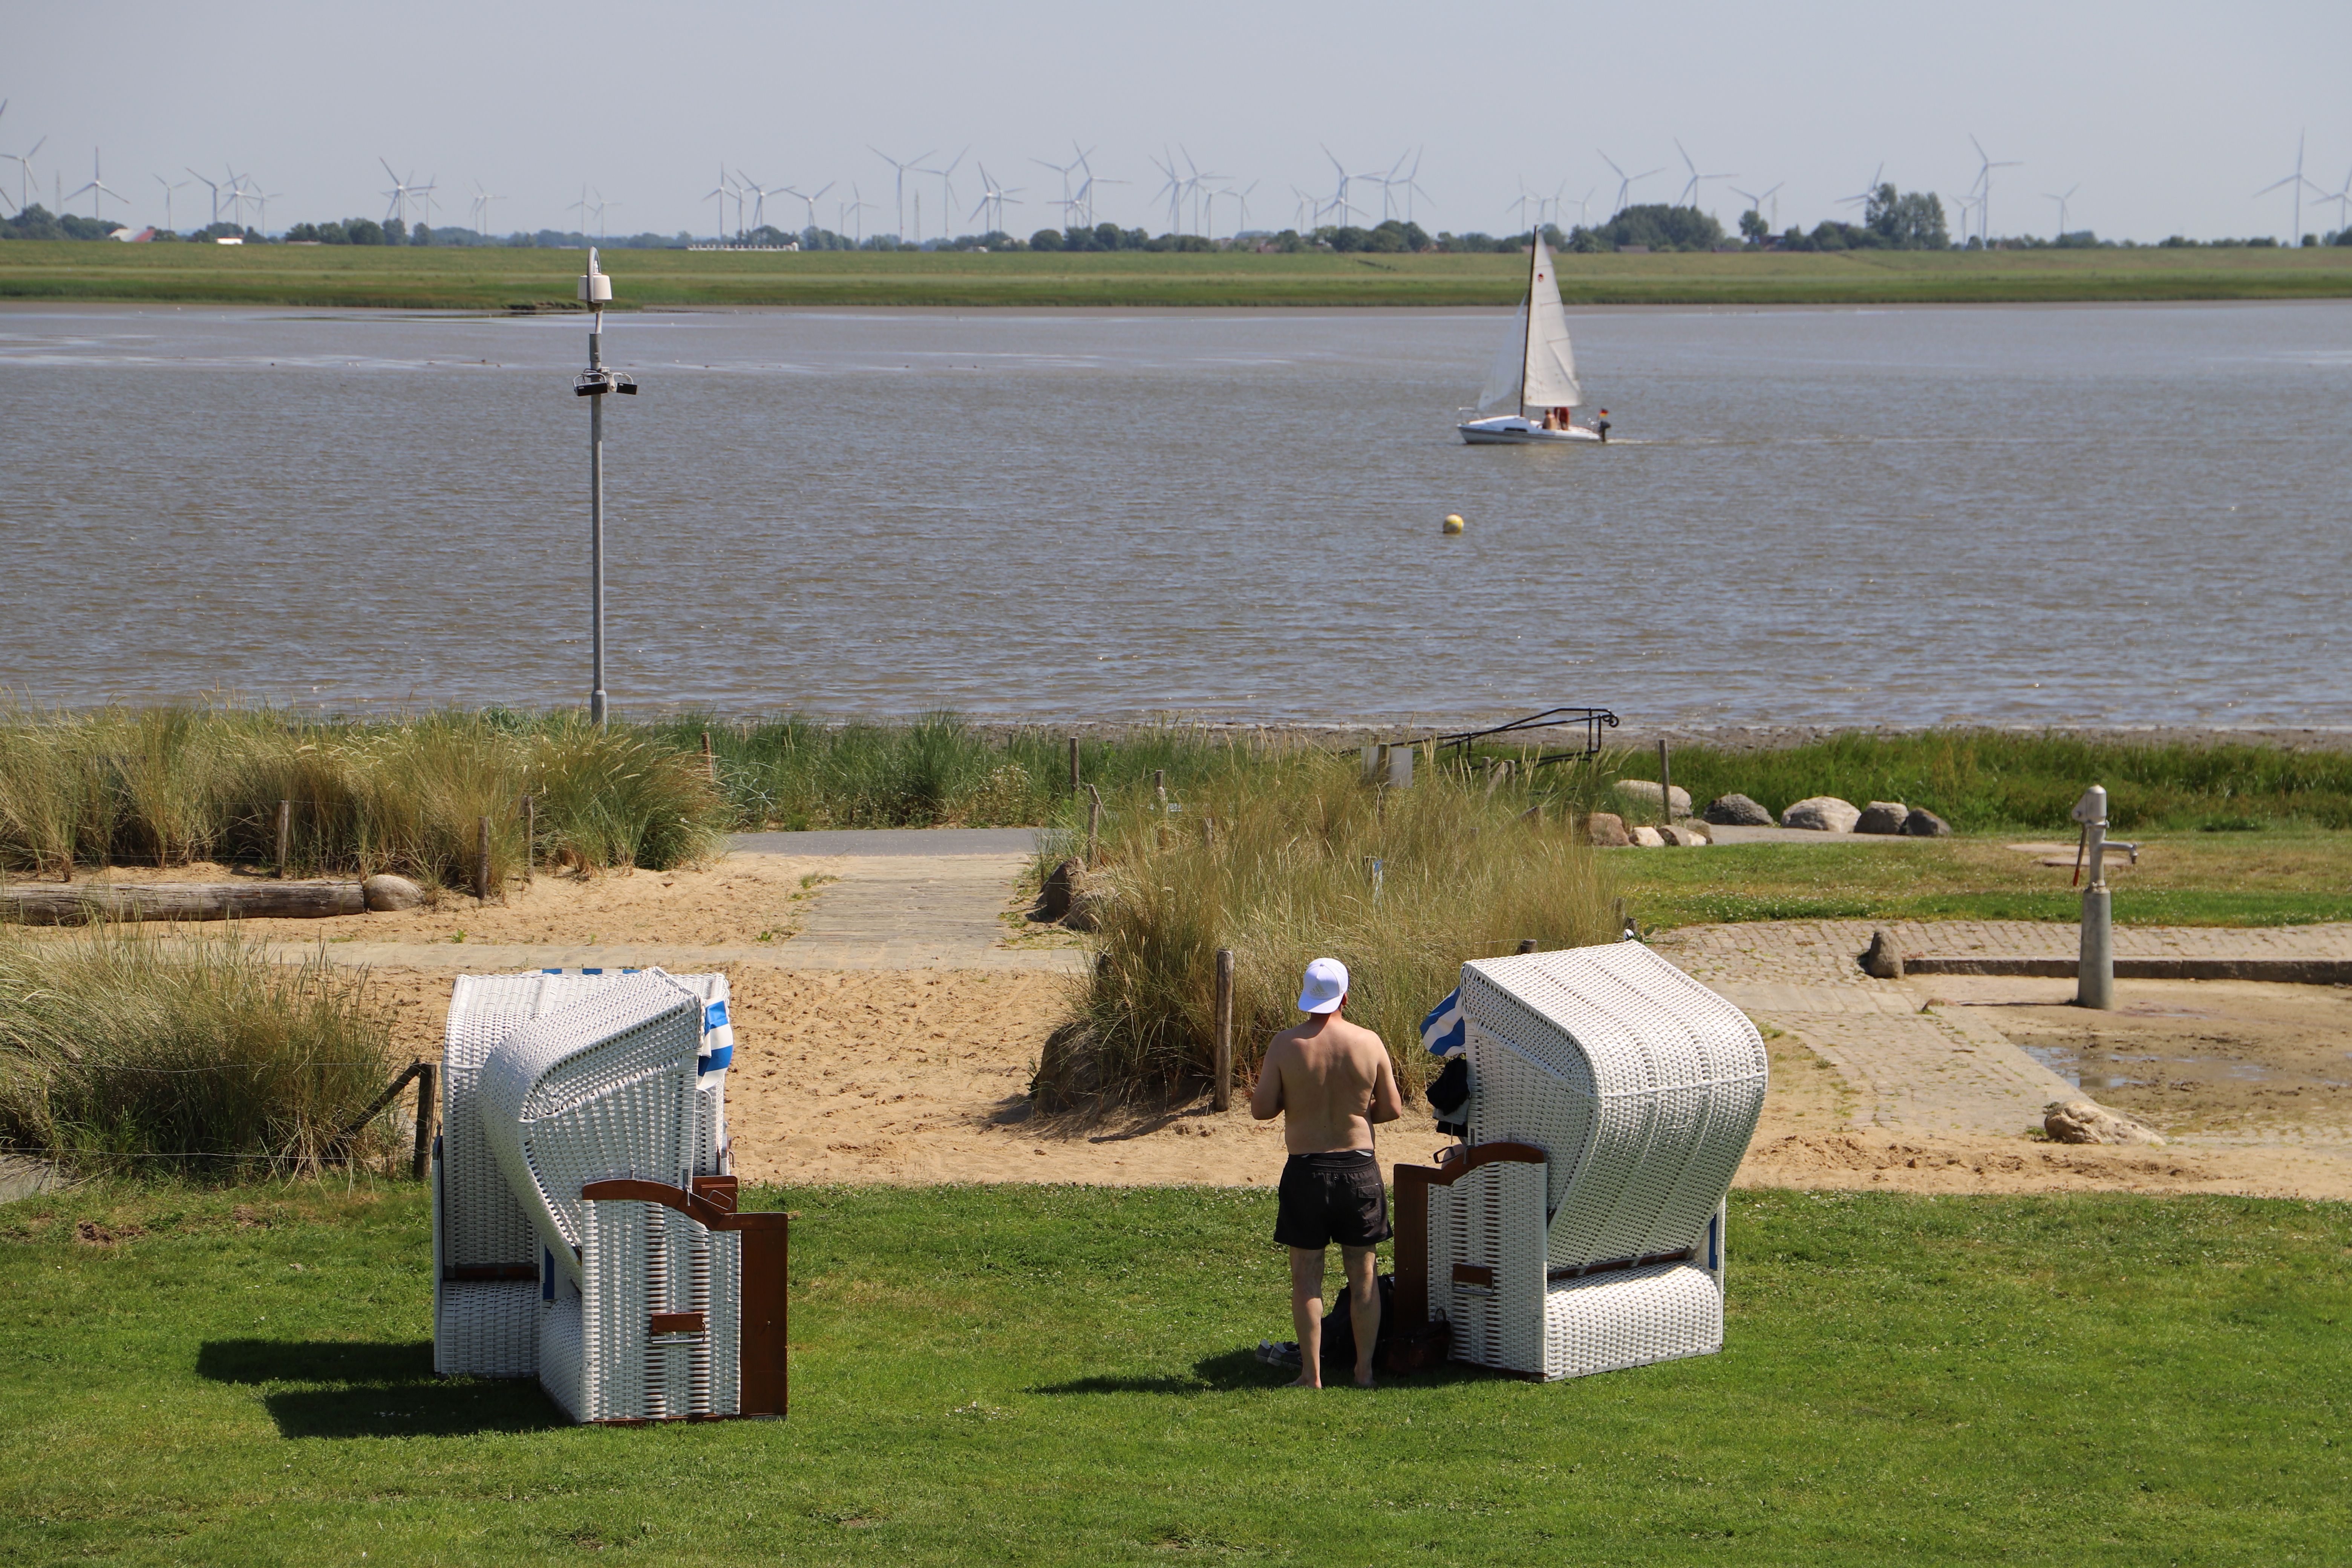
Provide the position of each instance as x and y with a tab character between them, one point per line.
2161	117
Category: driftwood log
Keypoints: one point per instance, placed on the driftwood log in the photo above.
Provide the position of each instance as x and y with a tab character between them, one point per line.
58	906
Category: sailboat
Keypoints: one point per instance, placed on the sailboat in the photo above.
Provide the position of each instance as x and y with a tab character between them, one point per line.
1536	365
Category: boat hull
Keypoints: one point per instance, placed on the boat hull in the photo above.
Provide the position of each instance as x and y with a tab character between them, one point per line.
1508	431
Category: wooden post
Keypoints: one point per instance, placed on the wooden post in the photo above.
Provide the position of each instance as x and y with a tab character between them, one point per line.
1221	1085
422	1159
482	863
1094	824
709	763
1666	786
1527	944
284	832
1160	787
529	835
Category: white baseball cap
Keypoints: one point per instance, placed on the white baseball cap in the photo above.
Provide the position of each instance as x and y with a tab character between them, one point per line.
1325	987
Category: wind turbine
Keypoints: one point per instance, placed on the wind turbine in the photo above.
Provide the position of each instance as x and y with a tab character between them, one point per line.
947	190
580	211
1065	171
2062	201
902	170
811	200
1522	202
600	205
1340	204
1411	183
1302	218
481	208
2296	182
168	188
991	191
760	195
400	193
2342	199
1755	200
1984	186
1241	200
1868	193
1625	182
210	187
855	208
1199	183
1961	204
98	188
1173	189
24	161
1690	186
720	195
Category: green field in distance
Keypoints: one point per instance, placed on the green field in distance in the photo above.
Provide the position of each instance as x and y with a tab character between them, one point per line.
503	278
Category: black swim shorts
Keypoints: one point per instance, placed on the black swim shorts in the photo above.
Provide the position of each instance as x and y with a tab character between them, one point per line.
1332	1197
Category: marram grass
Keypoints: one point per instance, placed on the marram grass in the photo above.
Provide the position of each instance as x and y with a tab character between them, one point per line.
162	786
186	1055
1289	856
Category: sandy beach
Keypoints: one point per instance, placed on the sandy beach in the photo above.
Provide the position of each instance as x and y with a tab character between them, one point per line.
875	1069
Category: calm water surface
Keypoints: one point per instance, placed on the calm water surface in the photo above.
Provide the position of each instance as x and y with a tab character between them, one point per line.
2119	515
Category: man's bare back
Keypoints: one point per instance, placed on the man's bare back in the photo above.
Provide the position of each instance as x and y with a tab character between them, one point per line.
1330	1080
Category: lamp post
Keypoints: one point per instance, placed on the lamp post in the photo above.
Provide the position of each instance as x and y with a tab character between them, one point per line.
595	291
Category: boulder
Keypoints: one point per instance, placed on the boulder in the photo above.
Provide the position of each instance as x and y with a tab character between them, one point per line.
1925	823
1821	814
1607	830
1882	960
1090	906
384	893
1886	816
1647	838
1070	1070
2082	1121
1736	811
1683	836
1640	798
1061	885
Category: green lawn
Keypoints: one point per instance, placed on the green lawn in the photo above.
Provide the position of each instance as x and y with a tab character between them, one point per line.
2271	876
1060	1375
501	278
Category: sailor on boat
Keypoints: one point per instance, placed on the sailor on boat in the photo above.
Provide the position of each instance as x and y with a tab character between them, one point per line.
1535	370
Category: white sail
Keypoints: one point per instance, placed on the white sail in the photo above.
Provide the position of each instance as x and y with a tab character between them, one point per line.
1541	355
1502	388
1551	363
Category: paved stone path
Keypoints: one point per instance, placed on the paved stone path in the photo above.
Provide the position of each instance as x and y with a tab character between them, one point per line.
911	898
1914	1068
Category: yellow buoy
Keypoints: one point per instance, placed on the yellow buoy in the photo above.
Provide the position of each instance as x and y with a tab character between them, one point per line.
1453	522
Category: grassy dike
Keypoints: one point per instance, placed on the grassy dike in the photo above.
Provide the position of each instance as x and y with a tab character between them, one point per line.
1063	1375
497	279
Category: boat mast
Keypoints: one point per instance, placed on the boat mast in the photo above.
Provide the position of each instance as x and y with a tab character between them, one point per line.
1527	337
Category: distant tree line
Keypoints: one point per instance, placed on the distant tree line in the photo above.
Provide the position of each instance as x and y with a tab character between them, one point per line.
37	221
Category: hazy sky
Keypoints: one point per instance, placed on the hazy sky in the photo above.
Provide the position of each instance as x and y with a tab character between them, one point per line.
2167	116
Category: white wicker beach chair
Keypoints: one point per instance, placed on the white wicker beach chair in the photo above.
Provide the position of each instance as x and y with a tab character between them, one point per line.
651	1298
487	1258
1613	1098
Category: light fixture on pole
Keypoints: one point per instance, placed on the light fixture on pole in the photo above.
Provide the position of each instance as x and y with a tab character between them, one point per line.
597	292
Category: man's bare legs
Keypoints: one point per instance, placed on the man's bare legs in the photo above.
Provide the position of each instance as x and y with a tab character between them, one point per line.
1362	1265
1307	1313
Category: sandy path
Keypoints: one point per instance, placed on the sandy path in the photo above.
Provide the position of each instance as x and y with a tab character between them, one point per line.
889	1018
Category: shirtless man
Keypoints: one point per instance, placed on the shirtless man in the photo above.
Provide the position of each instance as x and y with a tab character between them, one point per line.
1330	1080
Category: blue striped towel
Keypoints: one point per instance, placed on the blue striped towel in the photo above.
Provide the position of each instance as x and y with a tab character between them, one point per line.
1443	1030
